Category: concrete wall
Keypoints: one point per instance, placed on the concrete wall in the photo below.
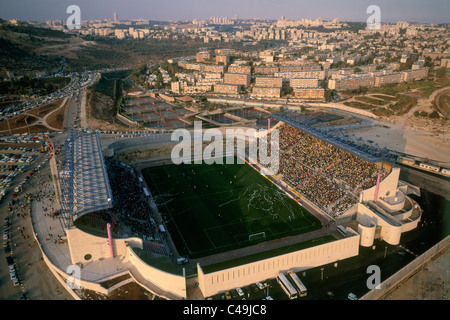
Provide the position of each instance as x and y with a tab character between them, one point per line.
215	282
343	107
388	187
367	234
172	283
406	272
138	142
126	121
391	230
82	243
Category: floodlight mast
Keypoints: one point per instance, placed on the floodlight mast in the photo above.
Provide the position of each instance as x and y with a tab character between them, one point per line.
51	147
54	169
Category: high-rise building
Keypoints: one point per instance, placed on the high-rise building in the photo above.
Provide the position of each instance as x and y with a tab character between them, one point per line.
116	18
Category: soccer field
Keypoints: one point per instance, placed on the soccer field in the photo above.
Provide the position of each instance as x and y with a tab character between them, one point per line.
216	208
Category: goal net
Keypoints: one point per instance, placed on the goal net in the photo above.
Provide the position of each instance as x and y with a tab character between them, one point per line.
257	236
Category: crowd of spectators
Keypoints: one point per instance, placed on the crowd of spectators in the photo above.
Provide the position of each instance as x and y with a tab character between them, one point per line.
326	175
130	206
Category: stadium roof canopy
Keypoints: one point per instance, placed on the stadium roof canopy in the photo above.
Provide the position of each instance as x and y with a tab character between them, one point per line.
84	182
337	138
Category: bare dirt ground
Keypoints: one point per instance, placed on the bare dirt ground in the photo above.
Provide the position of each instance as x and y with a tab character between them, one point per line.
49	117
429	283
100	113
145	153
422	137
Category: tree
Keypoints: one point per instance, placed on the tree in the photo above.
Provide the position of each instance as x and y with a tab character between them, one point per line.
434	115
441	72
286	89
329	95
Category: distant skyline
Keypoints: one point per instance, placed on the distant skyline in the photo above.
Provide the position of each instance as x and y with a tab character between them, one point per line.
430	11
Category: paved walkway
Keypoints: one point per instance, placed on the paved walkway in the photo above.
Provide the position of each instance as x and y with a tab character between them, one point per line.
49	231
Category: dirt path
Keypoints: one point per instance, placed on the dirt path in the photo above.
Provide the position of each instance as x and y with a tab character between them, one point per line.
443	108
421	104
40	120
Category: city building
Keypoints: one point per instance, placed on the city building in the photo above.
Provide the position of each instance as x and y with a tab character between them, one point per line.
227	88
318	74
266	70
267	92
237	78
240	69
268	82
309	93
221	58
304	83
351	83
202	56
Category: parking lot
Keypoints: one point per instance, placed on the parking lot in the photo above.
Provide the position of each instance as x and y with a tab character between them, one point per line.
21	256
17	165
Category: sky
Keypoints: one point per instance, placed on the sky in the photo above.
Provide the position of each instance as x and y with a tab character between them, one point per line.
422	11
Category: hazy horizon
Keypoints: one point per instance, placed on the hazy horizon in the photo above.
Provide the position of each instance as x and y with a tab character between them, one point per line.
433	11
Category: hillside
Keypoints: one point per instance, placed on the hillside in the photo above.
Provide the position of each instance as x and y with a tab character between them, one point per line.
26	50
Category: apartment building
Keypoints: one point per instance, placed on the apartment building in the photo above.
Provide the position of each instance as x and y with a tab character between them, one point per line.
202	56
227	88
307	67
176	86
266	70
309	93
318	74
267	92
224	51
202	67
240	69
304	83
381	80
411	75
221	58
351	83
213	68
237	78
268	82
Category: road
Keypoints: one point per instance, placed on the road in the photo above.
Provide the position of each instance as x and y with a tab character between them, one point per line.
421	104
443	109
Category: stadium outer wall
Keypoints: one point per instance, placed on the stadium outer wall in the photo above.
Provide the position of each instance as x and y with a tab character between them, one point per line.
226	279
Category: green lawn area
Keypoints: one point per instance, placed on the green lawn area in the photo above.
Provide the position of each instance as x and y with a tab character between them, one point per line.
359	105
371	101
214	208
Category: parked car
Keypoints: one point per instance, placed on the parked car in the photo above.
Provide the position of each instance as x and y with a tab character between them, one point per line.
182	260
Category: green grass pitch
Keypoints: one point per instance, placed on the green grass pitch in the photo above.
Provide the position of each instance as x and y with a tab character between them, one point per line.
215	208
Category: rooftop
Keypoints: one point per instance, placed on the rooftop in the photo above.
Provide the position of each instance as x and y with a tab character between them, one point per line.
84	182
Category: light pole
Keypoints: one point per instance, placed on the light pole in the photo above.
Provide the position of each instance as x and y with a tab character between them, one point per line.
321	273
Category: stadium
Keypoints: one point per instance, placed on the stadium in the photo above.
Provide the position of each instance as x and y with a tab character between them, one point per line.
190	231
